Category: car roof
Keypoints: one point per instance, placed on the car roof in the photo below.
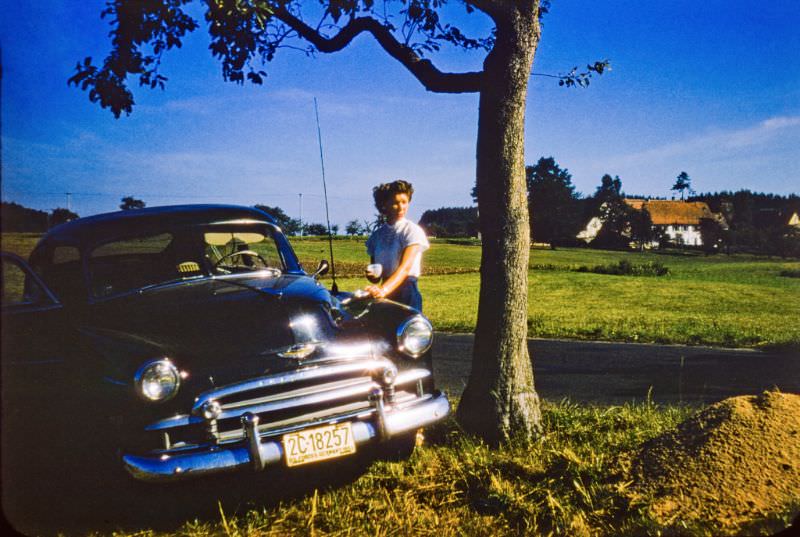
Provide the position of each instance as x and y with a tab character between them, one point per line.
90	228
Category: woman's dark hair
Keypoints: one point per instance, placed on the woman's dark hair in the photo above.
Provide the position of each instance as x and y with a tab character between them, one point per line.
387	191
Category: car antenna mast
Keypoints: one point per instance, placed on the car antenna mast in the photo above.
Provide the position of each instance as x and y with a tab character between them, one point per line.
334	287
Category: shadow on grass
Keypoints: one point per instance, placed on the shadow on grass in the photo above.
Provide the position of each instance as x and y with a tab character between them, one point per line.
48	495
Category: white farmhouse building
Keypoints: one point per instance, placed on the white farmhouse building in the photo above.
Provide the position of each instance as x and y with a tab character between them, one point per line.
677	221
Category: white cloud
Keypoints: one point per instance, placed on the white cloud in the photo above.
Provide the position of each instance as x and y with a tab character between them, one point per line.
715	143
781	122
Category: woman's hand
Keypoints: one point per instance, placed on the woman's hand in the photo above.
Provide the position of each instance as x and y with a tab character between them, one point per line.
398	276
376	291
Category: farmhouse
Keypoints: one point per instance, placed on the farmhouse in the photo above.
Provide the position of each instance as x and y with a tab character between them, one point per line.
676	221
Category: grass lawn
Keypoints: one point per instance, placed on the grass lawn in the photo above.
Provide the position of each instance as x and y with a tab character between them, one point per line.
574	480
570	483
734	301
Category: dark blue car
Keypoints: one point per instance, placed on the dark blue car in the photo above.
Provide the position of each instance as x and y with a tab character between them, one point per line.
184	341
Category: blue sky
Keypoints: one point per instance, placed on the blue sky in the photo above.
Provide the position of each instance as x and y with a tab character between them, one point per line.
711	88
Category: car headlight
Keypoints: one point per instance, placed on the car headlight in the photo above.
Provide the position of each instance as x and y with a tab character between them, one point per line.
158	380
414	336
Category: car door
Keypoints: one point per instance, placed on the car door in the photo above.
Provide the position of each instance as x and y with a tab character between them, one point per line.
34	339
32	352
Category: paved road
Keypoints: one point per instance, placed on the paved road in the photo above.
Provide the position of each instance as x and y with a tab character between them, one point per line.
613	373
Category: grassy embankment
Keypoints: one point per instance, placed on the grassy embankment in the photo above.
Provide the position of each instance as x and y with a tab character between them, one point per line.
733	301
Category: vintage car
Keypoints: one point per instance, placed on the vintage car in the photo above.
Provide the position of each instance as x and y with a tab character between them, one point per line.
189	341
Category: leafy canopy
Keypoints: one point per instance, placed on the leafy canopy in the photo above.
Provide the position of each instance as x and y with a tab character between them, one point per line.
554	205
682	184
289	225
129	203
247	34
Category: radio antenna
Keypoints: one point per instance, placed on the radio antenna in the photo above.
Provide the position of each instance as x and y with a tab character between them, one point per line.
334	287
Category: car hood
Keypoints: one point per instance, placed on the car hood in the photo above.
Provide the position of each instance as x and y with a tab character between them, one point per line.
227	328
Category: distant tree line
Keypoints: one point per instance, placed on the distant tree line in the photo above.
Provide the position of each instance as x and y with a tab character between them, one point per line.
757	222
17	218
754	222
364	227
293	226
450	222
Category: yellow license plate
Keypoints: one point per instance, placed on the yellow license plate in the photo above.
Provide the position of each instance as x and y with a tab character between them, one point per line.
318	444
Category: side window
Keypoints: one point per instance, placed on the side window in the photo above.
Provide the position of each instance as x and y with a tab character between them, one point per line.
19	287
61	269
152	244
65	254
131	263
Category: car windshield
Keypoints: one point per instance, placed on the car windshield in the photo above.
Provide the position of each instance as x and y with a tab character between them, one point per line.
241	251
147	260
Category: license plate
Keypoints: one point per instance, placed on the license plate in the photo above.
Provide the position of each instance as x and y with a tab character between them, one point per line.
319	443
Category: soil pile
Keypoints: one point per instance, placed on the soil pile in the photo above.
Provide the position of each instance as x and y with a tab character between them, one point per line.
734	463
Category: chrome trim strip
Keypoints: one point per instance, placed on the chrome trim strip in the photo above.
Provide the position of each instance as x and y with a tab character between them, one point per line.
181	420
411	375
304	400
311	420
360	364
299	392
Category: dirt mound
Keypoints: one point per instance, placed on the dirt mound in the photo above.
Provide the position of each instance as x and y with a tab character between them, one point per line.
734	463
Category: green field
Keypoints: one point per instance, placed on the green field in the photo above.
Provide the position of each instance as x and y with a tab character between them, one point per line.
733	301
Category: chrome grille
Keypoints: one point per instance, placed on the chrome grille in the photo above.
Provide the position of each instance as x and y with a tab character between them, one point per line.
325	391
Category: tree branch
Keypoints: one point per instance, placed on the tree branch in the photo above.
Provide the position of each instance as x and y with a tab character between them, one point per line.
432	78
490	7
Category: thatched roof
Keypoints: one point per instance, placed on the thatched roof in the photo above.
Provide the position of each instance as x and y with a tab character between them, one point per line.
673	212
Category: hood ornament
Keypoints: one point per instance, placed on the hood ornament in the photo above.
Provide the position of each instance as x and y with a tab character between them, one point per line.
298	351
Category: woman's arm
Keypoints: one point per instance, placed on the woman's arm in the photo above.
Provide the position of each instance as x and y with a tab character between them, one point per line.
398	276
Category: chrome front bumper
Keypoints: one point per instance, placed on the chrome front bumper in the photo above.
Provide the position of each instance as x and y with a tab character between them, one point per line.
259	451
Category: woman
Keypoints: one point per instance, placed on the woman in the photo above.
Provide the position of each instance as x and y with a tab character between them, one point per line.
397	245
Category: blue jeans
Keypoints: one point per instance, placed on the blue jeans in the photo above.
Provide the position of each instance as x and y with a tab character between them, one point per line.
408	293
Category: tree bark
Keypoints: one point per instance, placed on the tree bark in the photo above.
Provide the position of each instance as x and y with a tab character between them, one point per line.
500	401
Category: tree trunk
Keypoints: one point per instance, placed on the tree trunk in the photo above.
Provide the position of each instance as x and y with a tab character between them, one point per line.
500	401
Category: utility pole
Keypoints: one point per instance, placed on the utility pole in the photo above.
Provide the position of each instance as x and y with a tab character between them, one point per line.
301	213
69	201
